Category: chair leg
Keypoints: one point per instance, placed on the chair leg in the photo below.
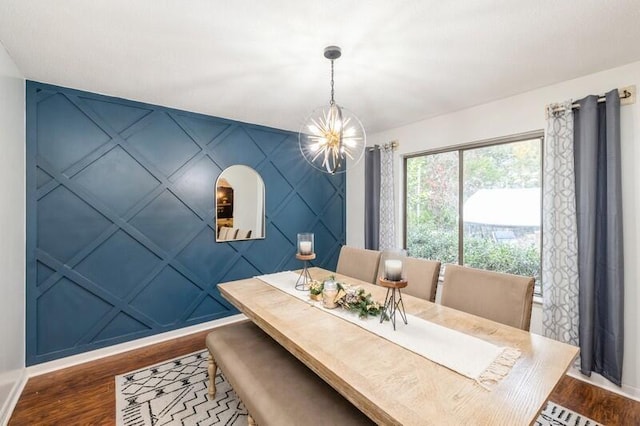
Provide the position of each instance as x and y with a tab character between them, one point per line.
213	368
250	421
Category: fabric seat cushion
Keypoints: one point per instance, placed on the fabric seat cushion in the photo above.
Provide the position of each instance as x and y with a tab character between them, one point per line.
275	386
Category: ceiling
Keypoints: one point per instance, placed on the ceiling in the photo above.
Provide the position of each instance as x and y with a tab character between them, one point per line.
262	61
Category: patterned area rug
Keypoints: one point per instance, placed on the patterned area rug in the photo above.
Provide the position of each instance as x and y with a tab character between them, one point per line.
556	415
174	393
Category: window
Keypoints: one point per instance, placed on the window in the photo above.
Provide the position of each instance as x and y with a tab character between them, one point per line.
477	205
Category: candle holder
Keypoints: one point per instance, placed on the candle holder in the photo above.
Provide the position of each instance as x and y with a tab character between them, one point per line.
329	293
393	300
304	279
393	279
393	264
305	243
306	253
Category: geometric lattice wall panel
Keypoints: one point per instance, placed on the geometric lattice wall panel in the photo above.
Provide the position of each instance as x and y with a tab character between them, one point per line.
59	329
194	185
167	297
166	221
119	264
117	180
43	272
238	148
163	131
120	217
67	224
65	133
206	258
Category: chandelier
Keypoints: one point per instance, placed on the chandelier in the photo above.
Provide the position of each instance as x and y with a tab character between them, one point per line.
331	134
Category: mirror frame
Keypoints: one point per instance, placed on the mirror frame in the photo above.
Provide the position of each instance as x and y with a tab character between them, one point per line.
260	209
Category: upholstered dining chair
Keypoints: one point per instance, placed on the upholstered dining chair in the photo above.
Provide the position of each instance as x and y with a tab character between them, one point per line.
421	275
232	234
243	234
358	263
222	233
500	297
227	233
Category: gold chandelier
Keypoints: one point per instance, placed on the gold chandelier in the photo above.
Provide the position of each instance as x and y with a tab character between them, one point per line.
331	134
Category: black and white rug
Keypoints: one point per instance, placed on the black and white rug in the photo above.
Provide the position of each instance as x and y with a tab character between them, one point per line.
174	393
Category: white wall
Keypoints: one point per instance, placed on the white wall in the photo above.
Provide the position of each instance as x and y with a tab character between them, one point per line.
519	114
12	228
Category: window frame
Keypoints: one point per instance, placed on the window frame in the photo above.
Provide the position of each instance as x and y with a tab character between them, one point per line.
460	149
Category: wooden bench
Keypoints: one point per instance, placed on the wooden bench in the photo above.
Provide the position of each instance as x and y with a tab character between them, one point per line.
275	386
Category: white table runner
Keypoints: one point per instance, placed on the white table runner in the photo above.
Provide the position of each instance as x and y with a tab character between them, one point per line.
481	361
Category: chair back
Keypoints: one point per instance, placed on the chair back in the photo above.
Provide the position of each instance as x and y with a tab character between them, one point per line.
243	234
222	234
421	275
500	297
359	263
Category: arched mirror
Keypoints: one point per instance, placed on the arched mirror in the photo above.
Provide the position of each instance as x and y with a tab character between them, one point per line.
239	204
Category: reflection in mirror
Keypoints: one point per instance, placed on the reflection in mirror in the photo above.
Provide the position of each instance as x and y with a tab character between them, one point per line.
239	204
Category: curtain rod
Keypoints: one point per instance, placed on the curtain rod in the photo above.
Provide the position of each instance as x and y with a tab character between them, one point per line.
627	97
389	145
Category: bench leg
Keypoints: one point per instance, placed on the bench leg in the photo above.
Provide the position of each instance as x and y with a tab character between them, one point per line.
250	421
213	368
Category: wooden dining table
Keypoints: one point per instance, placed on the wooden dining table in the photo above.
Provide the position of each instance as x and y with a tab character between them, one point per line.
393	385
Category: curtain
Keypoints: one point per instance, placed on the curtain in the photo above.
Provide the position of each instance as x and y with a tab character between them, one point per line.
560	238
582	252
371	198
387	239
600	252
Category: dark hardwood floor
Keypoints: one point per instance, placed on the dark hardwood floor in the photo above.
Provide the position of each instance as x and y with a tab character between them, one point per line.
601	405
84	394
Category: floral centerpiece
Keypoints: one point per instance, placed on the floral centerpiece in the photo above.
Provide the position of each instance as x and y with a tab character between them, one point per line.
353	299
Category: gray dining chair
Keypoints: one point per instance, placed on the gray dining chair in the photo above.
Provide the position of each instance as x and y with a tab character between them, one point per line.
421	275
359	263
222	234
497	296
243	234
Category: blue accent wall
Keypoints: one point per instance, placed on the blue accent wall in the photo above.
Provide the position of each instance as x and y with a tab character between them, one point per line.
120	217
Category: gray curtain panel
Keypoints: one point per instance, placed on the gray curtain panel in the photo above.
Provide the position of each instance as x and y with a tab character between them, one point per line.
599	218
372	198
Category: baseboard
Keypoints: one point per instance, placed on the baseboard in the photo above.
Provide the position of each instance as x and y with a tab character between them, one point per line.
12	399
601	382
47	367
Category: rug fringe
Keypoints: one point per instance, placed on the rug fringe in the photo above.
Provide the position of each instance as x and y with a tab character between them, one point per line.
499	368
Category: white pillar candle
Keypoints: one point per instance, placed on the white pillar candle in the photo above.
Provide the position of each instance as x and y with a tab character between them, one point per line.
305	247
393	270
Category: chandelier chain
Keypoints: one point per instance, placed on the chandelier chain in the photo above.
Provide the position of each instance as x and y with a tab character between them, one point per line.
332	102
